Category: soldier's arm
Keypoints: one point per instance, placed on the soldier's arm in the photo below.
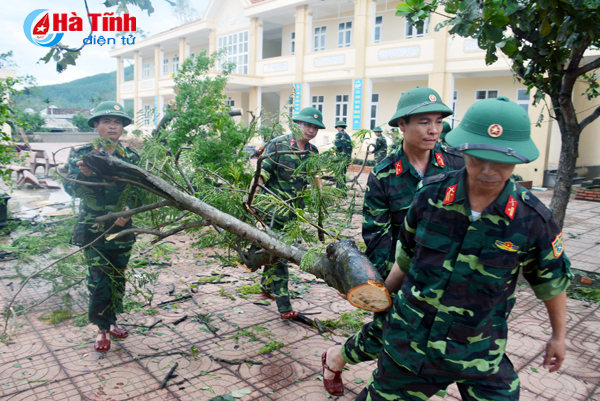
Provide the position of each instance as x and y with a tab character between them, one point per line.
74	173
556	348
395	279
377	220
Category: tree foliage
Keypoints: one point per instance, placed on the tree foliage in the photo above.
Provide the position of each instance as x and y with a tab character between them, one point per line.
8	119
546	42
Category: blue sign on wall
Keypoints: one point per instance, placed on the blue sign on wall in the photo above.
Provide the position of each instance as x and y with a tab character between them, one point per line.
357	108
297	98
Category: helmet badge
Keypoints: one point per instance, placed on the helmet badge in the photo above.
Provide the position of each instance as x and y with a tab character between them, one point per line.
117	107
495	130
432	98
316	116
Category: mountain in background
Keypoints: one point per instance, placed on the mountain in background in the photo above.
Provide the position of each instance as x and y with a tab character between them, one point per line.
77	94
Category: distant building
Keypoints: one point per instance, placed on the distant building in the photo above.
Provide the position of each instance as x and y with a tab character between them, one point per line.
63	114
59	125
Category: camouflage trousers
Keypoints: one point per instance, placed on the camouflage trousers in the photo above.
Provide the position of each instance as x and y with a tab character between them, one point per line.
342	184
275	281
106	284
392	382
379	157
365	345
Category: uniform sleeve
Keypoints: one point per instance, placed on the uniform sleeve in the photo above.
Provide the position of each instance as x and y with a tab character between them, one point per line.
377	222
377	145
74	173
267	166
405	249
546	267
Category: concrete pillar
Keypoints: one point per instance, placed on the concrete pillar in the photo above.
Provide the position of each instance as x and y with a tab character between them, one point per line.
254	44
212	42
302	39
438	76
182	47
361	32
255	101
119	79
137	104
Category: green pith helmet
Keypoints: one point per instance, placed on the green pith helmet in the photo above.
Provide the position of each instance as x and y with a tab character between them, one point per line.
497	130
109	109
447	128
419	100
377	129
341	123
310	115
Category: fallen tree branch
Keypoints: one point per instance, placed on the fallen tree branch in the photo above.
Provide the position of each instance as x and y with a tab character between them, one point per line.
131	212
168	376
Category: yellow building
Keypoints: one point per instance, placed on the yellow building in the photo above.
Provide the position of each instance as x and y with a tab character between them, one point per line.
350	59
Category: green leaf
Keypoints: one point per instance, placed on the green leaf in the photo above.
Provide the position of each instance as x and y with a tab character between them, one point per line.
534	370
403	9
358	380
240	393
17	365
546	27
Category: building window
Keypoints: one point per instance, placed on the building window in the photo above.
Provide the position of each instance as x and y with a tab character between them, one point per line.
413	32
230	102
454	102
317	102
293	43
378	29
175	64
147	70
320	38
236	51
523	99
146	114
486	94
341	108
192	55
165	70
374	109
345	34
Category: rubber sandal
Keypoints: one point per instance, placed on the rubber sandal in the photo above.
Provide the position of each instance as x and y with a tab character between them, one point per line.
289	315
102	345
266	294
333	386
119	332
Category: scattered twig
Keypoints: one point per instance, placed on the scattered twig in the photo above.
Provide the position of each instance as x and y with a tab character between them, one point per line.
172	290
319	325
303	319
175	300
236	361
166	353
131	212
168	376
154	324
181	319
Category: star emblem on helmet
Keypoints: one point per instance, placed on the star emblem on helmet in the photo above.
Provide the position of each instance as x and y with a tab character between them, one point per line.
116	107
432	97
495	130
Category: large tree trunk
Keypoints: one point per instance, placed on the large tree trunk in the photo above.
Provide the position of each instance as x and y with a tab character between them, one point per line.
342	267
570	133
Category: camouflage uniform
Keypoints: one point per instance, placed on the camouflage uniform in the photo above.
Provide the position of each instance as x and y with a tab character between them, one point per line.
343	145
106	259
449	320
278	175
380	149
391	188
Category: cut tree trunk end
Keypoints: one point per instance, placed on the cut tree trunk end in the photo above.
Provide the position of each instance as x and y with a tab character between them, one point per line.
342	267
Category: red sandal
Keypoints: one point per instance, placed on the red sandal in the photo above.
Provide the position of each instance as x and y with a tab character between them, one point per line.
333	386
119	332
289	315
102	345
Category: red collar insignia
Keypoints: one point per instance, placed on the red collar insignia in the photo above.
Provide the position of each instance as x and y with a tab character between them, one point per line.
511	207
292	142
398	167
450	194
440	160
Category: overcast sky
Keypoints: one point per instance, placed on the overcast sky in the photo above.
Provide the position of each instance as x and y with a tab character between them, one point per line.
94	59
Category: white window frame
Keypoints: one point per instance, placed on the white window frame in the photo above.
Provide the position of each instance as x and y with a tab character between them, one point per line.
165	69
317	102
236	45
341	108
320	41
524	103
146	70
175	64
412	32
374	112
146	114
230	102
378	29
293	43
481	94
345	34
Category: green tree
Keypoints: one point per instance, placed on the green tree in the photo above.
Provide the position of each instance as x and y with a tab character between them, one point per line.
30	122
545	41
81	122
8	118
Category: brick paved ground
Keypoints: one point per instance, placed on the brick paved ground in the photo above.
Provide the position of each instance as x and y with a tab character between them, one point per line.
45	362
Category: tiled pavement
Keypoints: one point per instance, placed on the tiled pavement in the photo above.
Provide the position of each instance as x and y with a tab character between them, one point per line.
45	362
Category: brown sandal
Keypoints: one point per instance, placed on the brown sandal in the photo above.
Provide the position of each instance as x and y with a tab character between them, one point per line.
289	315
333	386
119	332
102	345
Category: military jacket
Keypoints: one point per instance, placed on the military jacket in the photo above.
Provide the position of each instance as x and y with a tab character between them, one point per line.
391	187
380	149
278	172
343	144
451	316
97	201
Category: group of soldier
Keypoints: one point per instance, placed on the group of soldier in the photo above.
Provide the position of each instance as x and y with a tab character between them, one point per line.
444	224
